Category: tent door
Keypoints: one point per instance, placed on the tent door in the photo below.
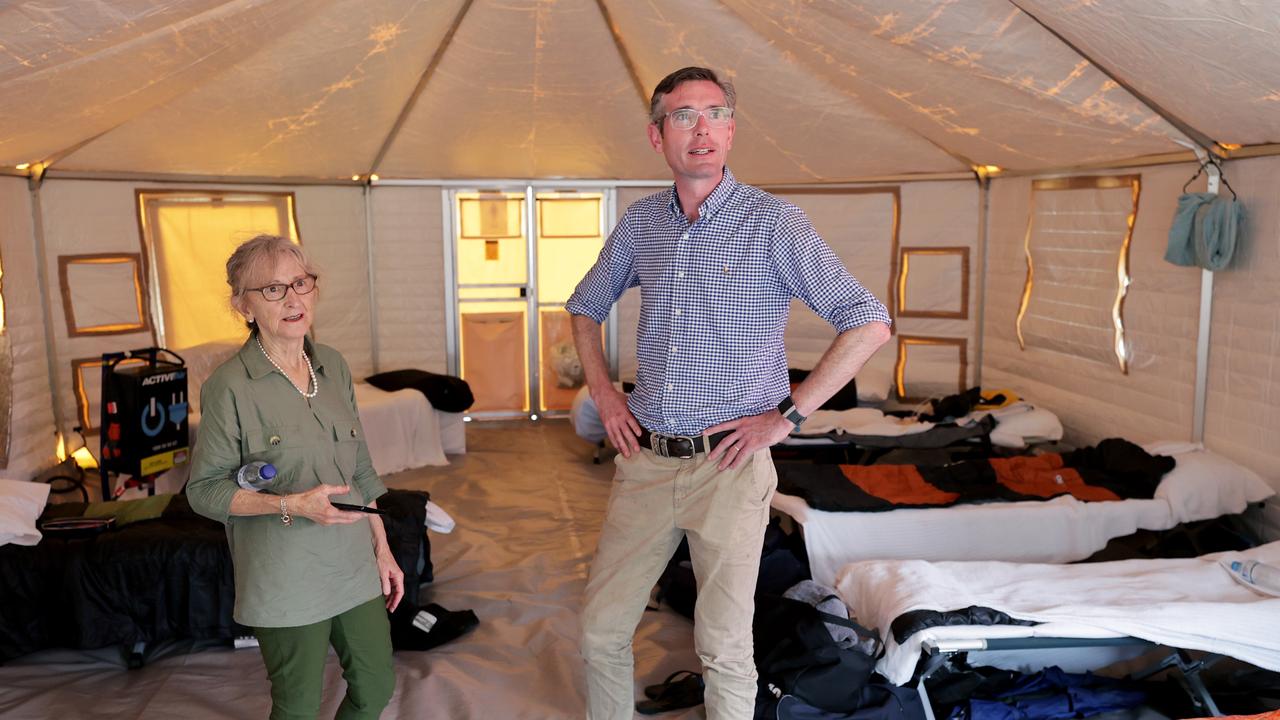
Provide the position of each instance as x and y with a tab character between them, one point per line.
518	254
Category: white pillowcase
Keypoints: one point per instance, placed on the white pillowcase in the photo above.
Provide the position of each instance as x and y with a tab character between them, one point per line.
20	505
1022	422
874	385
1206	485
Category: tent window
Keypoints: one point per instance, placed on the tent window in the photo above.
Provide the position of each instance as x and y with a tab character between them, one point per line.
188	236
1077	250
103	294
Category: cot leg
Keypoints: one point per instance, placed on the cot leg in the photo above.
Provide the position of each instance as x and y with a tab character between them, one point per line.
932	665
1194	684
1191	681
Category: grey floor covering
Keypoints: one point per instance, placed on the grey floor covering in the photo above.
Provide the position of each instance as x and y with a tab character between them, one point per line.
528	503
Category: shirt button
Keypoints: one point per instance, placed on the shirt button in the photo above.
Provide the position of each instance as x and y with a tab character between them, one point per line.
680	274
678	311
673	349
670	388
684	236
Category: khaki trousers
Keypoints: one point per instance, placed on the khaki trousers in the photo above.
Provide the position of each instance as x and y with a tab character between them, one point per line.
655	502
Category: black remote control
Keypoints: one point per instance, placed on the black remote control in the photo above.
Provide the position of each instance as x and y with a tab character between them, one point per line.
359	508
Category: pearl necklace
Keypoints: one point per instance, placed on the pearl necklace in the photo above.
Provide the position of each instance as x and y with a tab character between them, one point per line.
315	386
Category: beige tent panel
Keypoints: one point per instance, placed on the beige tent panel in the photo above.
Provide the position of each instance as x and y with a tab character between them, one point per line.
979	78
31	439
316	100
792	126
1093	398
84	68
527	89
409	278
1243	409
1213	65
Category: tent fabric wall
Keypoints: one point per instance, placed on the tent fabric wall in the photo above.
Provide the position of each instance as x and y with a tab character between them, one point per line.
32	436
858	226
331	221
84	217
1242	414
1095	399
939	214
409	277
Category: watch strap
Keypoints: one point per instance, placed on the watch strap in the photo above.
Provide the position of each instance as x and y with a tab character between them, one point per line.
788	409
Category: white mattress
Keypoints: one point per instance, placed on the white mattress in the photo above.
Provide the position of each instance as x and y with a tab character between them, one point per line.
1059	530
1189	603
401	429
1203	485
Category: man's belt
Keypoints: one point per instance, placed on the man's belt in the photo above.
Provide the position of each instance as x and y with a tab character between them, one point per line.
679	446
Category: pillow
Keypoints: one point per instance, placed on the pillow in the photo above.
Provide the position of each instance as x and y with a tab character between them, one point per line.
1020	423
21	503
874	385
201	361
1206	485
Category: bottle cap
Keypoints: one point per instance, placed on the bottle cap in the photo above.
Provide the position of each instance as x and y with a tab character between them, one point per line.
267	471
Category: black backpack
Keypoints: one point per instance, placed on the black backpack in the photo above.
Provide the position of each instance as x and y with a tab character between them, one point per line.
783	563
795	652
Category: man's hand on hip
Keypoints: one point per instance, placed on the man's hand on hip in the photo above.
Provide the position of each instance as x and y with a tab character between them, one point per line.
749	435
619	423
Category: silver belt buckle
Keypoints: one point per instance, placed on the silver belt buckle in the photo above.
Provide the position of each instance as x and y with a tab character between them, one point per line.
661	445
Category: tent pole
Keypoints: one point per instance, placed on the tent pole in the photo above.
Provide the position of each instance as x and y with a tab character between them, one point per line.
373	284
1206	315
984	202
42	284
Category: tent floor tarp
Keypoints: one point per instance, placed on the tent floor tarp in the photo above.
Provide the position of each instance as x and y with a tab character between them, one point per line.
528	505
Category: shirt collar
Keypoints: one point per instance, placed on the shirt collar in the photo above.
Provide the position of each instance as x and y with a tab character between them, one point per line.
256	362
721	194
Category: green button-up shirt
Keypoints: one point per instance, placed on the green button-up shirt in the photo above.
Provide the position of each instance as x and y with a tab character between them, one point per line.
287	575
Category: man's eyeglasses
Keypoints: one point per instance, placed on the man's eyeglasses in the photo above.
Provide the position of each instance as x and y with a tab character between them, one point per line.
686	118
275	292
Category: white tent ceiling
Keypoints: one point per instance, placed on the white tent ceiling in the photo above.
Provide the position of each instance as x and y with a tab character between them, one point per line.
828	90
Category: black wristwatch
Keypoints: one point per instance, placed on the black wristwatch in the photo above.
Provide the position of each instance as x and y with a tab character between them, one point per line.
788	409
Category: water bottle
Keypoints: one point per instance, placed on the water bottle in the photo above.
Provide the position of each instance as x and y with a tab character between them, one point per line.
256	476
1257	575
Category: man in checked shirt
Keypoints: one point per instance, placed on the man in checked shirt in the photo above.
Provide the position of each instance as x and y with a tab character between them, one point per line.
717	263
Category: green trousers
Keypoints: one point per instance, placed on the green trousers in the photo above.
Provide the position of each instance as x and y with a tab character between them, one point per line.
295	658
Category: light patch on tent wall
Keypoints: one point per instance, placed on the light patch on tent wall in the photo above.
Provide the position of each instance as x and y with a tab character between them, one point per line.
933	282
103	294
925	363
1077	250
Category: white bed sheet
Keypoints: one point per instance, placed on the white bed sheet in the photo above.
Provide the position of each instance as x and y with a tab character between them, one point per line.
1055	531
1189	603
1202	486
401	429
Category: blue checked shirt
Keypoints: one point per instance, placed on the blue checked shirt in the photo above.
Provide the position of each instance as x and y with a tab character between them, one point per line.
715	295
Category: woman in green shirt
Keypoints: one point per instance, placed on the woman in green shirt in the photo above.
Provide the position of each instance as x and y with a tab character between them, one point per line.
307	574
